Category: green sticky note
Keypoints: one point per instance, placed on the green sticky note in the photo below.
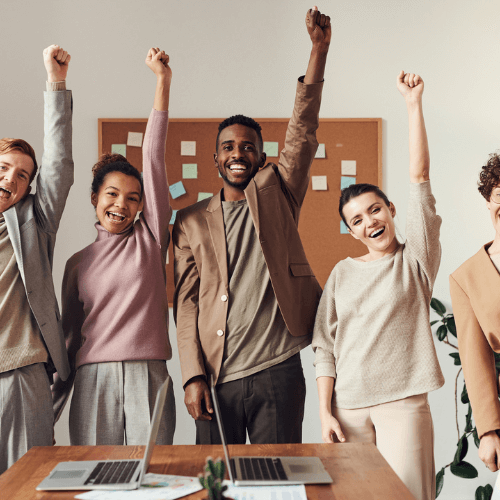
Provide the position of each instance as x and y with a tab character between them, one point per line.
189	171
119	149
271	149
203	196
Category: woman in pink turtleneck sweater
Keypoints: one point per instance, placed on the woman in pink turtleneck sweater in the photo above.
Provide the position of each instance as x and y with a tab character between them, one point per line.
115	309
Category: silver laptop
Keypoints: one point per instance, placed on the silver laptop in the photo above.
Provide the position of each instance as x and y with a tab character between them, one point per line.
261	471
107	474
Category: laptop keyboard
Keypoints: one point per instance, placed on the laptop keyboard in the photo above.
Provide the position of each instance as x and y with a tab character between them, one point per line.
113	472
262	469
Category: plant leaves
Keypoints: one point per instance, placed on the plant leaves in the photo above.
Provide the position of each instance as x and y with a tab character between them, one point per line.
477	442
438	307
450	323
468	420
435	321
441	332
439	481
464	396
464	469
489	491
480	494
462	448
456	357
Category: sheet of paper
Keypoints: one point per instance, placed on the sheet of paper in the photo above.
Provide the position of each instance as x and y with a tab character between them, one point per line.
320	152
154	487
119	149
319	183
292	492
177	190
135	139
188	148
203	196
348	167
174	215
271	149
189	171
347	181
343	228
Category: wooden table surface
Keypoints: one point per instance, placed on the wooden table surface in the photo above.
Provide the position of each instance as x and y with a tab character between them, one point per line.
358	470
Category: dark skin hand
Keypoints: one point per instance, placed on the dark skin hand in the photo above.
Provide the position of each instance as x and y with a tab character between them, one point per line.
196	393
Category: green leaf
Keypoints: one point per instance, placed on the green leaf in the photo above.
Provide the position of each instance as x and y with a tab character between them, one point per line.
489	491
456	357
468	420
462	448
464	396
438	307
435	321
464	469
439	481
441	332
477	442
450	323
480	494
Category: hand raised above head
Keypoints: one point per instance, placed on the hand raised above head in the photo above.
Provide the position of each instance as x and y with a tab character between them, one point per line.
157	61
410	85
56	61
318	27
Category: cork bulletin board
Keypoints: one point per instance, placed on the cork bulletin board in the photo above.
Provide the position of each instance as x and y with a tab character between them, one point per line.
356	140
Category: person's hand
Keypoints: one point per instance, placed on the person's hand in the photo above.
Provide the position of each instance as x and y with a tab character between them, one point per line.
157	61
318	27
195	393
410	86
56	62
489	450
330	426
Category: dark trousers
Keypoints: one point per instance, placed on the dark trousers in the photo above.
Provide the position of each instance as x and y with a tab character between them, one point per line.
268	404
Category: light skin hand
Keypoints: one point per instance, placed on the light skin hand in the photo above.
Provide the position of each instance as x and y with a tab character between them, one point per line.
410	86
329	424
195	392
489	450
157	61
56	61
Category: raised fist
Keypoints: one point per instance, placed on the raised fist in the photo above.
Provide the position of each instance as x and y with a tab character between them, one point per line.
56	62
157	60
318	27
410	86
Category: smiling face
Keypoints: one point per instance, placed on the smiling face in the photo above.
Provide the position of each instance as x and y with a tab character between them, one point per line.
16	170
371	221
239	156
117	202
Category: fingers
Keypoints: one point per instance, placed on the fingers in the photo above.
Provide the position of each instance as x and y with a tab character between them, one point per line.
208	400
195	393
409	79
330	428
401	77
338	431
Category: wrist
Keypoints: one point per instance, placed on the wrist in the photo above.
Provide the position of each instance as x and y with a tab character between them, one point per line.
54	78
414	103
320	48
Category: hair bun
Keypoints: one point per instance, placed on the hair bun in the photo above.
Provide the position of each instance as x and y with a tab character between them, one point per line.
106	159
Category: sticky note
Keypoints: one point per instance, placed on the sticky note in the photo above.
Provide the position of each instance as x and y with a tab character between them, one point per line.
177	190
188	148
174	215
348	167
271	149
119	149
135	139
343	228
203	196
320	152
168	258
189	171
347	181
319	183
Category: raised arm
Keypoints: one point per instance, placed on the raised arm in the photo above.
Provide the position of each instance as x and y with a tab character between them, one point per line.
411	87
157	210
56	171
320	32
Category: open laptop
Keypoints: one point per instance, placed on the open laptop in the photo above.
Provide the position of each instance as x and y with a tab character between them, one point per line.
107	474
262	471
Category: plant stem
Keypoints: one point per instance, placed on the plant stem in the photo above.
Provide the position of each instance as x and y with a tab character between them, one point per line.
446	341
456	402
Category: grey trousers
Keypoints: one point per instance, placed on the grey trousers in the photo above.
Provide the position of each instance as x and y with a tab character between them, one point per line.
26	415
113	403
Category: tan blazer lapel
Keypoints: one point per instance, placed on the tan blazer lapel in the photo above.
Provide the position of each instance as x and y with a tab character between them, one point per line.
253	205
215	222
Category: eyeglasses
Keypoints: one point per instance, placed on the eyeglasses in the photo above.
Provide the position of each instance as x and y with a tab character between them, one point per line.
495	196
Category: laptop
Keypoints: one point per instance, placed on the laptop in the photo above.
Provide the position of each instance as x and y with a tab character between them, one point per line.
272	471
107	474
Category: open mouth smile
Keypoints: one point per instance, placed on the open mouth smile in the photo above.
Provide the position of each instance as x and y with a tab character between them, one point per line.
115	217
377	233
5	193
237	167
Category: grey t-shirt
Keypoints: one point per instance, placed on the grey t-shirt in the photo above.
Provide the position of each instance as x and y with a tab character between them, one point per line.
257	337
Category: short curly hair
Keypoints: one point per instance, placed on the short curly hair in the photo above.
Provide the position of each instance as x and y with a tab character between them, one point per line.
240	120
489	177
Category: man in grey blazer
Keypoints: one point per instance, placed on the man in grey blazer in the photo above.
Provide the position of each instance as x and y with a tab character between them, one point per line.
31	340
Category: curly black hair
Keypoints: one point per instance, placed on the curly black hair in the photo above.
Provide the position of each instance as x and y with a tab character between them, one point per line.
489	177
240	120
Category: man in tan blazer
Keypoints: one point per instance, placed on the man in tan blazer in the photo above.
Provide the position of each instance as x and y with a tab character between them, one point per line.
246	297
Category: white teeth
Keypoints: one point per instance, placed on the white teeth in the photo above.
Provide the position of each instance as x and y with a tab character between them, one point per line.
376	233
117	215
237	168
5	189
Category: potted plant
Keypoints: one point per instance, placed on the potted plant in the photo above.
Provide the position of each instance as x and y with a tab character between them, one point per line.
212	478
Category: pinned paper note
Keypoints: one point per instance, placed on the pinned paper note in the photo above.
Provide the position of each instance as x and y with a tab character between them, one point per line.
347	181
188	148
174	215
271	149
135	139
320	152
189	171
319	183
177	190
119	149
348	167
203	196
343	228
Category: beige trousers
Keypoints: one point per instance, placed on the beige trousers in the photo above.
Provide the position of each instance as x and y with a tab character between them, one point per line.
403	432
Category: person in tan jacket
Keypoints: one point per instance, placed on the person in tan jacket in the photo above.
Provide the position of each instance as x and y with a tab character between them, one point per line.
474	288
246	297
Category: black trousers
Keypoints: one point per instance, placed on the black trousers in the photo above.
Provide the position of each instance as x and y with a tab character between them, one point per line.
268	404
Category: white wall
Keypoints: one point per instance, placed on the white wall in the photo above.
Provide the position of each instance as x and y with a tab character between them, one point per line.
234	56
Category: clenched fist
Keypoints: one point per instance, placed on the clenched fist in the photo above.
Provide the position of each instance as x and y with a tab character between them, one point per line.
318	27
157	60
56	61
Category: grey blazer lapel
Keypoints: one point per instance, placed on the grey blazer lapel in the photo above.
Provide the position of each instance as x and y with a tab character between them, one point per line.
12	223
215	222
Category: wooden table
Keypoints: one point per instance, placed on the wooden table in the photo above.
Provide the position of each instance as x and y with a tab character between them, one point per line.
358	470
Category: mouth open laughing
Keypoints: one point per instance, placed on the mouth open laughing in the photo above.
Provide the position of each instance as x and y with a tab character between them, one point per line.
377	233
115	217
5	193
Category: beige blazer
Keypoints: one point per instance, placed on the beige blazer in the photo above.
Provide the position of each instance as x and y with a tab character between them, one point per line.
475	294
274	196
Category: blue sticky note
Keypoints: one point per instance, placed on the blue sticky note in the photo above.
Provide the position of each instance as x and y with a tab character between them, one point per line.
177	190
343	228
347	181
271	149
174	215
